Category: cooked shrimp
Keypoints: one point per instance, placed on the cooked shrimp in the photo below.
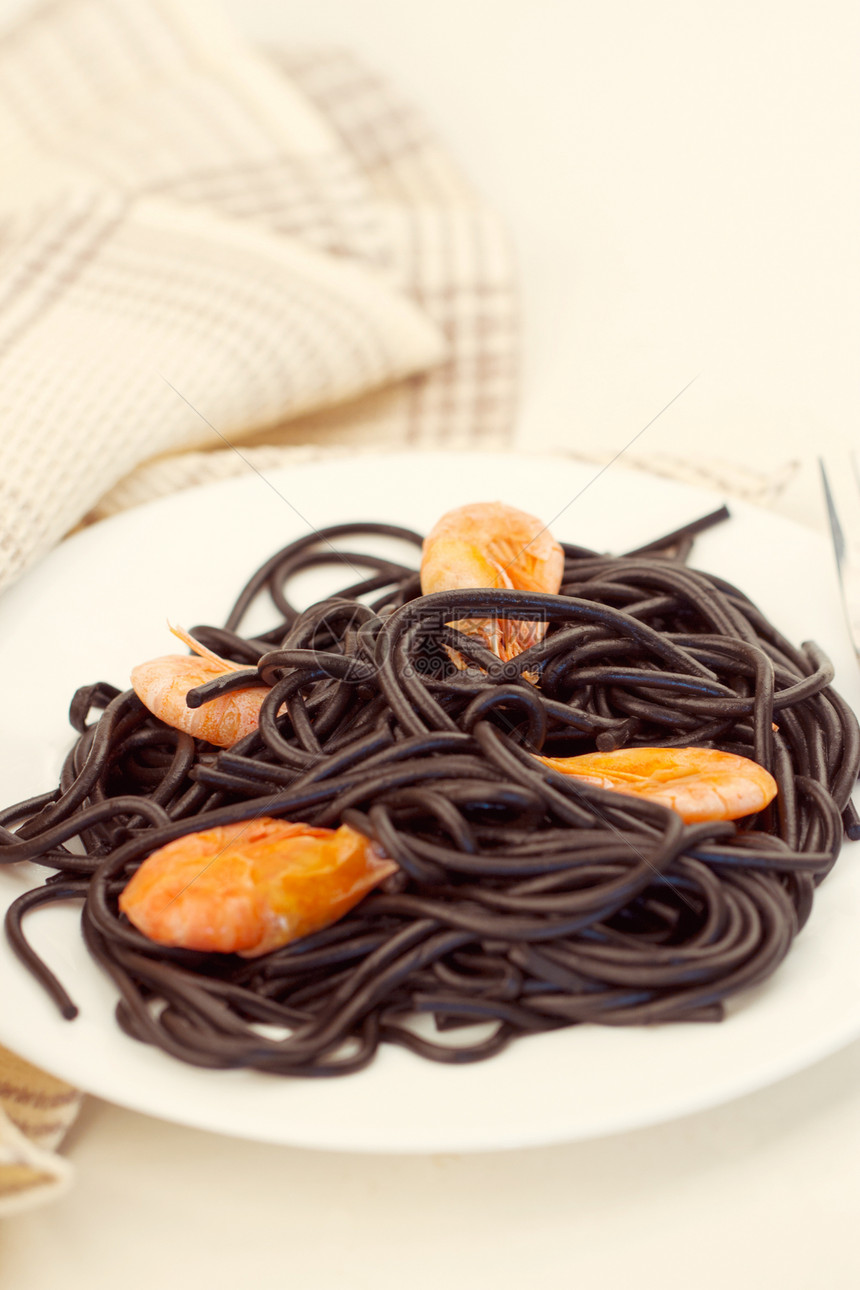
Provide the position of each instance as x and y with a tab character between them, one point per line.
163	683
250	888
699	783
489	544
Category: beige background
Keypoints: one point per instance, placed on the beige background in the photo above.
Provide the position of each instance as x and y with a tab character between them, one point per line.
683	183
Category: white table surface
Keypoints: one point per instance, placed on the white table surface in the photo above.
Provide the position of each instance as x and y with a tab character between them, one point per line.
683	185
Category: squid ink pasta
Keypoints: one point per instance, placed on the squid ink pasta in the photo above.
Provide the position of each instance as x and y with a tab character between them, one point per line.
519	900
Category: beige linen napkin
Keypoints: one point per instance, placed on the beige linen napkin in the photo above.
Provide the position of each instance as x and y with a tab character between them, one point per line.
35	1112
199	242
203	245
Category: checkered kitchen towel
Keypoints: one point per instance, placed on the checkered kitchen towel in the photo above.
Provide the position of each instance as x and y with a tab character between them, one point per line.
201	245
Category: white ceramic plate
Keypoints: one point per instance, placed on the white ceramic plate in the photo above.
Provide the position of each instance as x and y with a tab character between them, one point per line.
98	604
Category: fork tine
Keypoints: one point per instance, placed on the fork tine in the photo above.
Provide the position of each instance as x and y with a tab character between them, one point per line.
833	516
841	485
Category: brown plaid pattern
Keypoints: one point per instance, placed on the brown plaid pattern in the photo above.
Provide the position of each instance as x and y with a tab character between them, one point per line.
420	222
35	1112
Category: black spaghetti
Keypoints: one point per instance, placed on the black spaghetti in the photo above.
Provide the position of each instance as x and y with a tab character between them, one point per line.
524	900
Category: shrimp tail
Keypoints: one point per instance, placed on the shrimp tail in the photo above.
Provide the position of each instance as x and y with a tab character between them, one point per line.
201	650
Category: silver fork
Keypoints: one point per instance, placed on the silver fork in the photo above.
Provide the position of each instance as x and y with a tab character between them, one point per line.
841	481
